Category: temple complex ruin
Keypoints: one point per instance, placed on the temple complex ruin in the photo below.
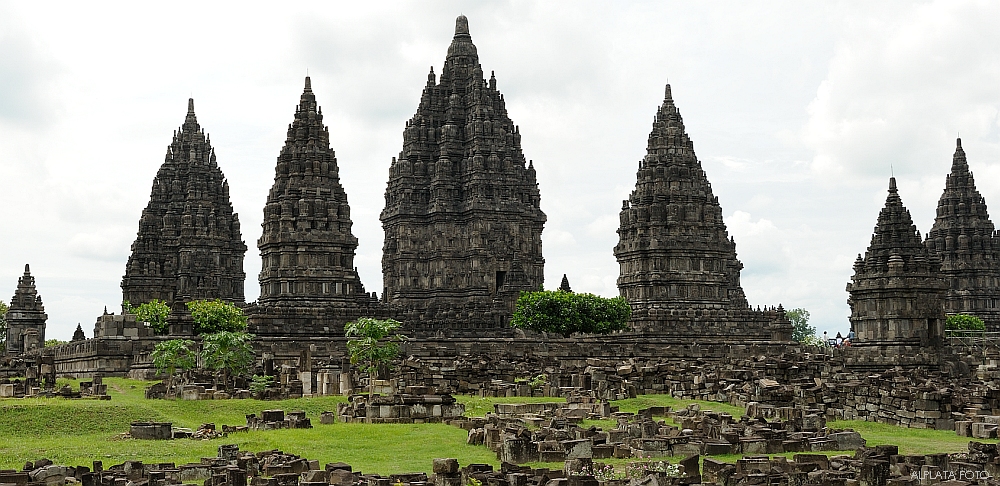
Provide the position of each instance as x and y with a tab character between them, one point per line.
188	245
308	283
463	225
896	293
462	218
964	239
679	269
25	317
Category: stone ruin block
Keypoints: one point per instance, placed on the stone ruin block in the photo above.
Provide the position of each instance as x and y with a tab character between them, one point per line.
983	430
151	430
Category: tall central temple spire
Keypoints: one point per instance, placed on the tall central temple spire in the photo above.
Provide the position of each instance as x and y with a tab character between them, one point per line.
189	244
462	204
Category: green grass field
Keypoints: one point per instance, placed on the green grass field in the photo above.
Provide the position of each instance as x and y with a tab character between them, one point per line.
76	432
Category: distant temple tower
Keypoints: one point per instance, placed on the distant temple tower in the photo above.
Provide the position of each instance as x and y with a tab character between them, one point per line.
307	248
462	218
26	317
964	239
896	293
189	245
679	269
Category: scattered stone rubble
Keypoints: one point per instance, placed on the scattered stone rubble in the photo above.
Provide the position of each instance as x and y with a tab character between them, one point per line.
166	431
416	405
878	466
276	419
26	388
520	439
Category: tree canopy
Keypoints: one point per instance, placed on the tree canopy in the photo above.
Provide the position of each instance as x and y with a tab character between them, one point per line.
376	343
566	313
964	322
212	316
154	312
173	355
231	352
801	330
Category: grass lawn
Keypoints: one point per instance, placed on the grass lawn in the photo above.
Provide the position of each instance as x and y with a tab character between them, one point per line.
76	432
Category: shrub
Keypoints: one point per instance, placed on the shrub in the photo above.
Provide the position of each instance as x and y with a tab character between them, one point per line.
211	316
154	312
176	354
566	313
377	343
964	322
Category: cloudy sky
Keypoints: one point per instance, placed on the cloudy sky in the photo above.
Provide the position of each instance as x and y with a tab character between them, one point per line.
799	112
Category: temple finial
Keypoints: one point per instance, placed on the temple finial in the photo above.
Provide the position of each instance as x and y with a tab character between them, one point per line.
461	25
892	185
958	143
667	95
26	269
308	84
190	106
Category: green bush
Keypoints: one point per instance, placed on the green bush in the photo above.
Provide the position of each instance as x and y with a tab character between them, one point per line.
964	322
376	344
566	313
154	312
211	316
172	355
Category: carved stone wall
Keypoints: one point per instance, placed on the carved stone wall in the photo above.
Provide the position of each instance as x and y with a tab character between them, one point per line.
896	293
462	219
25	317
189	245
679	269
963	237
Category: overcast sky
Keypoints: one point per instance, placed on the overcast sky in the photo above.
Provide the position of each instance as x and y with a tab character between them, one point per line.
799	112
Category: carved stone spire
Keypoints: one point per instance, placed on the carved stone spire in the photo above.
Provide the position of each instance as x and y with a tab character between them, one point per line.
673	244
189	244
307	248
25	317
78	334
461	201
963	237
896	291
564	285
675	253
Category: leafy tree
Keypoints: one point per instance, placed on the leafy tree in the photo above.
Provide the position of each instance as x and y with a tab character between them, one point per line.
154	312
3	323
230	352
964	322
566	313
377	344
173	355
212	316
53	342
801	330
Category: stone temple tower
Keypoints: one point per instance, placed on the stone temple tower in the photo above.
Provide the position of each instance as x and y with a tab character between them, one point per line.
307	248
26	317
896	293
189	245
963	237
679	269
462	218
